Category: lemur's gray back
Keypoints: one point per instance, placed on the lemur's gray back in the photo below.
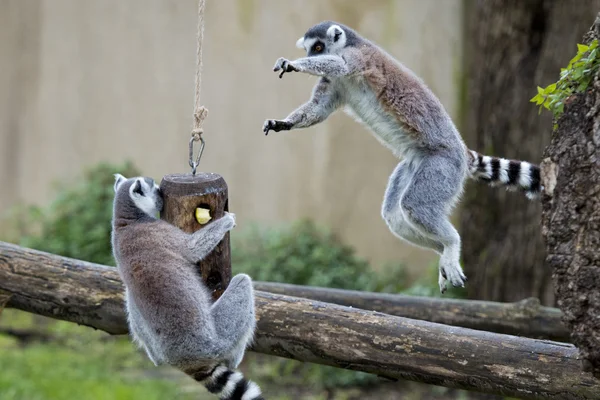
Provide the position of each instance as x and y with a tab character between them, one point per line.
170	310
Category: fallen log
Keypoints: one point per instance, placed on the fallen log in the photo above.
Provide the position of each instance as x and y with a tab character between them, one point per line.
524	318
308	330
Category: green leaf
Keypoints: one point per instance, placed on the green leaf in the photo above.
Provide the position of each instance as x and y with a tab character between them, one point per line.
575	78
538	99
574	60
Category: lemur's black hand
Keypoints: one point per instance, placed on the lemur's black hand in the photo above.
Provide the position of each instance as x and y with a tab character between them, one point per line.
284	65
276	125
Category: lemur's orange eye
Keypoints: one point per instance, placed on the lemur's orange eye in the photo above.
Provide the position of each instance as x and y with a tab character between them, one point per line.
318	48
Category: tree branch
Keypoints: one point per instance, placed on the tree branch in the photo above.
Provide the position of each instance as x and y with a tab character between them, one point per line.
524	318
323	333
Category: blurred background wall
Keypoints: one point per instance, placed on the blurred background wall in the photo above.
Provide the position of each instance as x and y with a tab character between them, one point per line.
84	81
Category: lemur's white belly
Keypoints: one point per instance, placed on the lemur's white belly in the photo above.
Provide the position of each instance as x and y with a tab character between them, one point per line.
362	105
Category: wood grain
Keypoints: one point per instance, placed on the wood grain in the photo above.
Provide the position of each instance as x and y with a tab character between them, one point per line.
182	194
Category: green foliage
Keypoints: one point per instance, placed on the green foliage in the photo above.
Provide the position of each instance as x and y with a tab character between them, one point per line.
575	78
77	223
305	254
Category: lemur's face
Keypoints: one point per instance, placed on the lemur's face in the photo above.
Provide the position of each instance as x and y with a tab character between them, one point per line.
323	38
144	193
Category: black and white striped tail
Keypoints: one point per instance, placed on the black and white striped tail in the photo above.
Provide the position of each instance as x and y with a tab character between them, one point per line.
512	174
228	384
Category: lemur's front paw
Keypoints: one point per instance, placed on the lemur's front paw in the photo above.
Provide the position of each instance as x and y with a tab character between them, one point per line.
284	65
276	125
454	274
229	220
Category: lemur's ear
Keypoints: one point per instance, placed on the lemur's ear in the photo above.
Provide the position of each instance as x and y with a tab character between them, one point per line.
335	32
137	188
118	180
300	43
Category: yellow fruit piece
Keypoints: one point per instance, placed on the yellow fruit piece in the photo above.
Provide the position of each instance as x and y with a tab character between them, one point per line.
202	215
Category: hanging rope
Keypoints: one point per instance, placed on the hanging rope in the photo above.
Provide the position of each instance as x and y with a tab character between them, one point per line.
200	112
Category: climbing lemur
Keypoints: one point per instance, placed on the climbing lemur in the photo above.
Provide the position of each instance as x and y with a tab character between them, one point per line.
169	309
405	116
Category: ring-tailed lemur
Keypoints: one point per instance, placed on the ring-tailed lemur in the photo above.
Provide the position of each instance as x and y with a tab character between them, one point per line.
405	116
170	310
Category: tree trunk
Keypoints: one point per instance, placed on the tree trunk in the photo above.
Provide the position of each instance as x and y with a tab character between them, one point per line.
571	216
512	46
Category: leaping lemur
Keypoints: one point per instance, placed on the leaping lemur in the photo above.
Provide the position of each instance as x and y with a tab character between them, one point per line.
169	309
406	117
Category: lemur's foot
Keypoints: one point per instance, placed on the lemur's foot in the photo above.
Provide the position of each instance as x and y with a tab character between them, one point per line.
284	65
452	273
276	125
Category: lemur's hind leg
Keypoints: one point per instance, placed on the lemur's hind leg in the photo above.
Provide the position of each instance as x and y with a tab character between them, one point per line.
427	202
219	335
233	316
393	215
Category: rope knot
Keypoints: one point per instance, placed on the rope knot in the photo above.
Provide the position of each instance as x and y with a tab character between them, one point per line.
200	114
199	117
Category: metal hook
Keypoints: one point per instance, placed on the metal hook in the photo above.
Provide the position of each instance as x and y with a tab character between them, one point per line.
194	164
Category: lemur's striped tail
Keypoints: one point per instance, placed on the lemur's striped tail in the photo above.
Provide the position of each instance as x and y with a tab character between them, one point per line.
228	384
512	174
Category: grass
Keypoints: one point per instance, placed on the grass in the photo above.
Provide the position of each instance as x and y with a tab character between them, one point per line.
79	363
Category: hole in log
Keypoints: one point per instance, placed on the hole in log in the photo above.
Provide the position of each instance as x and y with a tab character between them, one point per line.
207	206
214	280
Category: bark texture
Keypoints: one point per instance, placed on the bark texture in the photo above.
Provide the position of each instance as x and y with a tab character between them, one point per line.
182	194
511	46
524	318
323	333
571	217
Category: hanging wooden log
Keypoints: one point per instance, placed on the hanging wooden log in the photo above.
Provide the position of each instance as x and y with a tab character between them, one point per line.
313	331
183	194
